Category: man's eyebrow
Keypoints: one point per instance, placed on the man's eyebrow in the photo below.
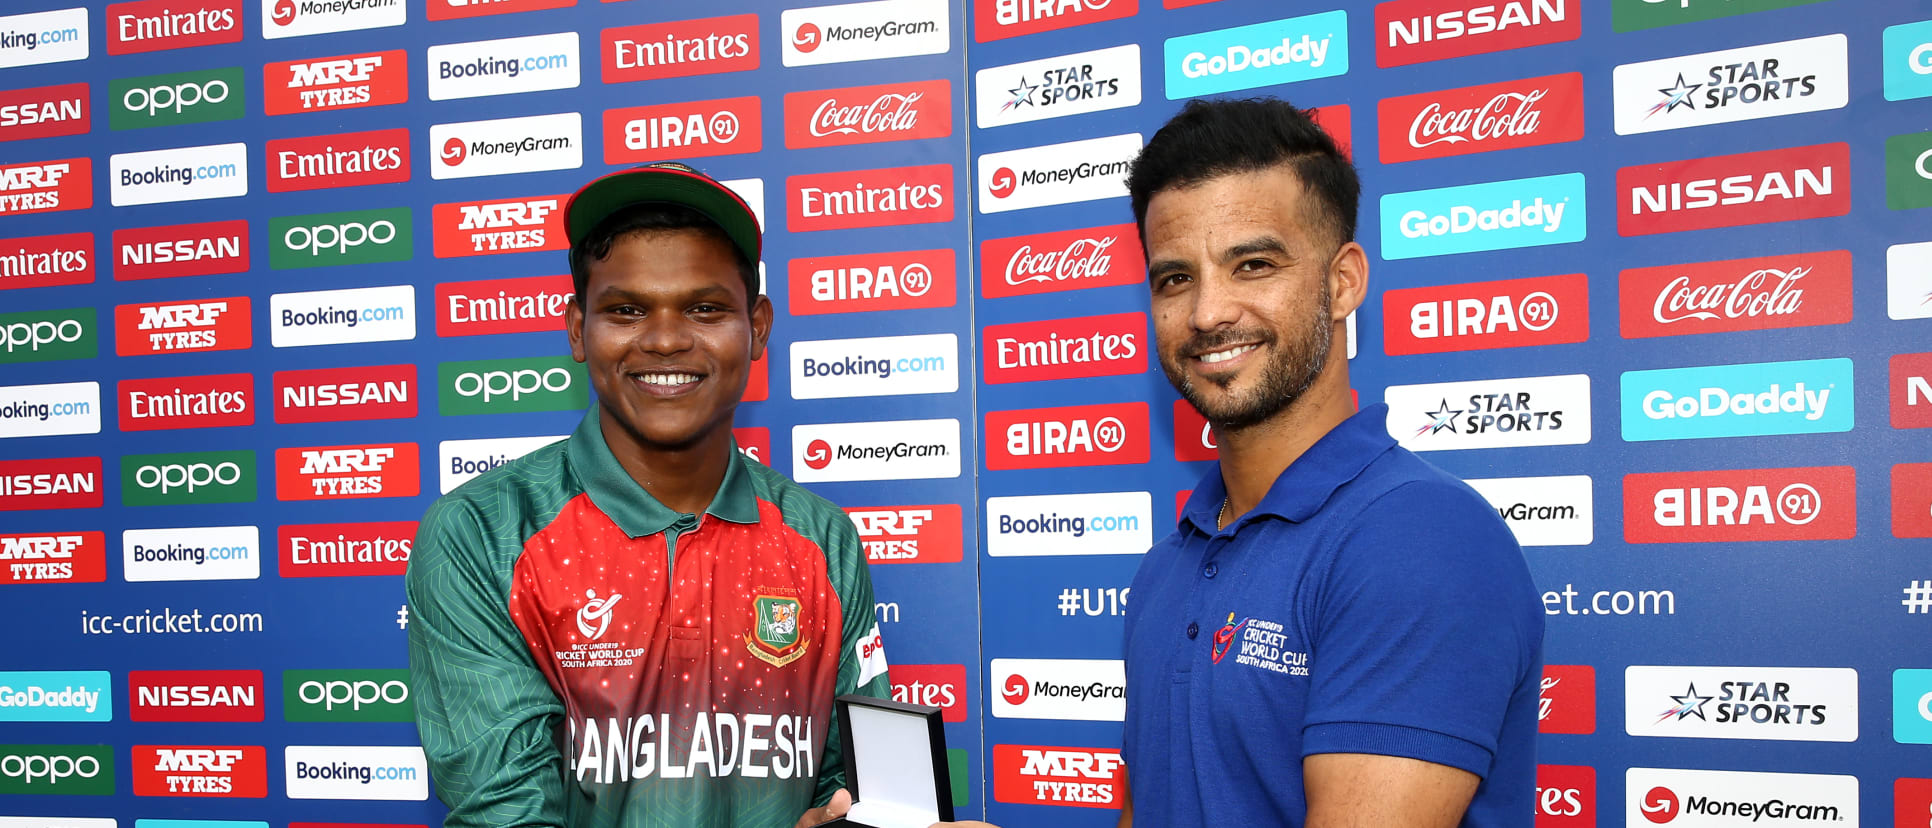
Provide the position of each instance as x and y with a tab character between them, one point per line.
1259	244
1155	270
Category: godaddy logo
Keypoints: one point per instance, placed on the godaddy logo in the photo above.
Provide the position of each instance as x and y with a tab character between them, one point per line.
45	336
57	769
505	385
347	696
188	477
355	237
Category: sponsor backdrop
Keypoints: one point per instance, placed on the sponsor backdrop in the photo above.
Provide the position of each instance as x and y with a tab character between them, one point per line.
1653	276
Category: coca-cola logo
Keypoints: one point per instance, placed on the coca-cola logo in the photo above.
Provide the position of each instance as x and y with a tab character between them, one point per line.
1509	114
1484	118
1788	290
1748	297
890	112
1083	258
1088	257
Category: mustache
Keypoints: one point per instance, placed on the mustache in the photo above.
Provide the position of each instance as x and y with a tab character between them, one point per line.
1215	340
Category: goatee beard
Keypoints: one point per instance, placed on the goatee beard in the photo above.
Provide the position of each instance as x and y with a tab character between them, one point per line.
1288	375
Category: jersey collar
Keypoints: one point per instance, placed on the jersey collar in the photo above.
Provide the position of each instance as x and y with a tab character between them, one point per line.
1301	490
627	504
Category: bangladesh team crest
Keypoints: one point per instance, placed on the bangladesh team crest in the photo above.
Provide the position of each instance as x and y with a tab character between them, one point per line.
776	636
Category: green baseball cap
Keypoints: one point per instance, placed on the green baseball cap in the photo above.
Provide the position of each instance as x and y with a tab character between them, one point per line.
664	182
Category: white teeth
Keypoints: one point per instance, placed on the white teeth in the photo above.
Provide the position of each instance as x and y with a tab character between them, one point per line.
667	379
1223	356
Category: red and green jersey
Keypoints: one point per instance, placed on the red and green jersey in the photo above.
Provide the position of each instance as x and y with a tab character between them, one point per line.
584	656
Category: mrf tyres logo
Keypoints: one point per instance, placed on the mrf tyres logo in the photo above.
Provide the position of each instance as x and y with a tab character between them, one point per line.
181	478
1741	505
1751	400
345	472
1000	19
1763	81
347	696
185	174
1088	257
333	317
699	129
1053	87
1787	291
350	159
497	386
45	187
1262	54
1499	413
155	25
680	49
1683	798
1066	173
507	145
1811	704
44	111
503	225
1109	434
203	249
1417	31
53	558
900	111
176	98
865	31
1075	776
889	450
1090	690
1733	190
43	37
869	198
182	327
1547	310
1087	346
1496	116
86	770
300	18
47	336
331	83
200	770
352	238
873	282
910	534
1499	215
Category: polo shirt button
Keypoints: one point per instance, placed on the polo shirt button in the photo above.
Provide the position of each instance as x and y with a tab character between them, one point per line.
1209	570
1193	629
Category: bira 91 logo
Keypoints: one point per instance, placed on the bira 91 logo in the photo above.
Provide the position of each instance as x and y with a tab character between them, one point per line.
873	282
300	18
1721	799
1077	435
1499	413
870	30
55	483
910	534
1497	116
1001	19
495	306
326	395
188	477
699	129
155	25
932	685
1738	505
1567	699
350	159
458	9
1417	31
1807	704
1734	190
331	550
200	770
1812	396
53	557
182	327
1912	502
187	402
502	225
1087	346
332	83
869	198
44	112
1763	81
194	695
1089	257
680	49
204	249
45	261
1911	386
1547	310
1067	776
1566	796
1790	291
1066	173
903	111
344	472
1498	215
45	187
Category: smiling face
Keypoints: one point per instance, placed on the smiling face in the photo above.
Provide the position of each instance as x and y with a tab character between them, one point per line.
1243	301
667	334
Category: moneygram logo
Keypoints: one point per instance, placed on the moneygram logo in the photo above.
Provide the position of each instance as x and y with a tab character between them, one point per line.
869	198
890	450
181	250
178	327
1000	19
865	31
347	696
347	472
56	483
1632	15
185	174
332	83
53	558
200	770
1497	116
1567	699
1733	190
503	67
875	366
47	336
1101	523
43	111
1088	346
1499	215
56	696
187	402
1908	61
1763	81
194	695
1810	704
1911	390
1077	435
1730	798
910	534
50	409
350	159
1500	413
1066	173
680	49
1547	310
43	37
1089	257
1908	281
1417	31
300	18
1054	87
1263	54
43	261
494	306
505	225
45	187
1736	295
341	772
1566	796
507	145
1543	511
460	461
329	550
873	282
86	770
699	129
1088	690
188	477
155	25
499	386
1738	505
1067	776
1751	400
333	317
901	111
206	553
175	98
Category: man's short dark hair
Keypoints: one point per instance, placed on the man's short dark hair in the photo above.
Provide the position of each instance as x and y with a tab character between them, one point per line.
1213	138
650	217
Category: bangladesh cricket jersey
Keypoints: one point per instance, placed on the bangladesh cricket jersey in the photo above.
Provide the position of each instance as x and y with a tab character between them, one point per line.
584	656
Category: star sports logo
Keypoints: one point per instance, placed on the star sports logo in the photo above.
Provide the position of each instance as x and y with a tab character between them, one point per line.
1812	704
1520	411
1763	81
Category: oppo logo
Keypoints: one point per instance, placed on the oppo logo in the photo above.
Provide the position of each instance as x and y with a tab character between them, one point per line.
352	694
189	476
514	384
155	99
338	238
32	335
51	769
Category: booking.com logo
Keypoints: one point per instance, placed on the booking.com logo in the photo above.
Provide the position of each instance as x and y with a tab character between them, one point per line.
854	366
1075	525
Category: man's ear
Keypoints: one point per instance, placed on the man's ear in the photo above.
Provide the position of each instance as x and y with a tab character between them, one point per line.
1347	281
574	326
760	325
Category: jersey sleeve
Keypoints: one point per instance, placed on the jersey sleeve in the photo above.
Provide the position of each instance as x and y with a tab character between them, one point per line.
1426	622
483	711
862	659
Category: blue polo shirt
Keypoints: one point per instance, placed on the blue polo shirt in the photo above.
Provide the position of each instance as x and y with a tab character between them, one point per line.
1371	603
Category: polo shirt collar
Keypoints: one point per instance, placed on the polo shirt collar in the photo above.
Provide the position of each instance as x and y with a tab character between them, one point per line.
1334	460
627	504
